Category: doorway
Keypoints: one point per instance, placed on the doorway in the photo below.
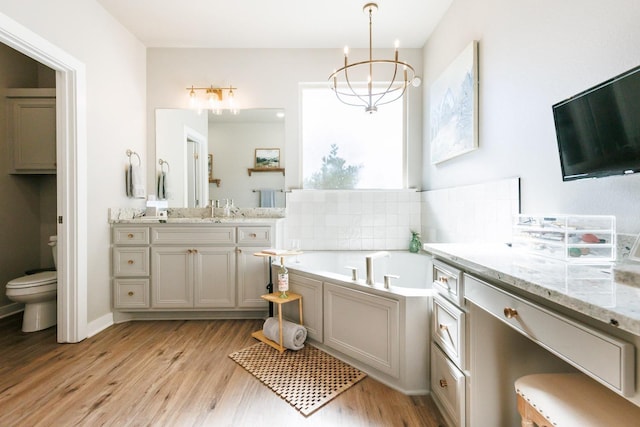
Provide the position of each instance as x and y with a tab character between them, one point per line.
71	174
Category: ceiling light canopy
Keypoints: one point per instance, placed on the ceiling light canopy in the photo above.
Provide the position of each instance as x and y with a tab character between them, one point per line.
213	99
386	79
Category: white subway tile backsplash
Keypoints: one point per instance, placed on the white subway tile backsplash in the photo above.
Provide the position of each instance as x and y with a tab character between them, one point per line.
474	213
350	220
374	220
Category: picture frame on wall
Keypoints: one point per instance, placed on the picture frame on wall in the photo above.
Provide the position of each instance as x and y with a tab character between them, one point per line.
454	107
267	158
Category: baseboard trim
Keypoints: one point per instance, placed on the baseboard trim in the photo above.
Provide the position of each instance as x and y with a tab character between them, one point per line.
11	309
100	324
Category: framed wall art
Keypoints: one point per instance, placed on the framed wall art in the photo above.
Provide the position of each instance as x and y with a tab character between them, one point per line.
454	107
267	158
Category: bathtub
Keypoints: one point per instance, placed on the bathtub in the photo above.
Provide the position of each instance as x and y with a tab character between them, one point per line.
382	331
412	269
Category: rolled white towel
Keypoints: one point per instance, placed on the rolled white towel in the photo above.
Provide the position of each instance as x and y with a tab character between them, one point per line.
293	335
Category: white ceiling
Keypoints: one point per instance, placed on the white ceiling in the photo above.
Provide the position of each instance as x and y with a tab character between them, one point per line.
276	23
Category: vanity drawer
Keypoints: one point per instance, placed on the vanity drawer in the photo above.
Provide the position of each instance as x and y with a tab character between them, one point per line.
254	236
131	235
193	235
448	387
131	293
448	326
607	359
130	261
448	281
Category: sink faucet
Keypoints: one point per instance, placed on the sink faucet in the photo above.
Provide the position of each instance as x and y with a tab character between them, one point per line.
369	265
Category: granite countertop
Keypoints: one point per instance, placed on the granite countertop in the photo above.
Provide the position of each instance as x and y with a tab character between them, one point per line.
222	220
589	289
197	216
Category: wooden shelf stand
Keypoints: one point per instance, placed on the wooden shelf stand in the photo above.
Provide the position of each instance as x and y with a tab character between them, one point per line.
275	298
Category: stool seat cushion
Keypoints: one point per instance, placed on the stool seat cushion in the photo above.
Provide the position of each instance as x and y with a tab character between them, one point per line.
576	400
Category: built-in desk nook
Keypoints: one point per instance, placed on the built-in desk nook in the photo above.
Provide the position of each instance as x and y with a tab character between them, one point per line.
500	314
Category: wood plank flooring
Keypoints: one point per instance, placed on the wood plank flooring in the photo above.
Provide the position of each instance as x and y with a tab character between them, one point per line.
169	373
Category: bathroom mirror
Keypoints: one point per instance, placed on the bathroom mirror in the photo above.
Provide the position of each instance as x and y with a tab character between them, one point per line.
225	146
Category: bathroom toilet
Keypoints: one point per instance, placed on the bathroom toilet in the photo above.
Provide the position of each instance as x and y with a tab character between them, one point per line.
38	292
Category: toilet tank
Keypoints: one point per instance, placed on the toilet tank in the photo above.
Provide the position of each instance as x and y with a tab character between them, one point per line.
53	242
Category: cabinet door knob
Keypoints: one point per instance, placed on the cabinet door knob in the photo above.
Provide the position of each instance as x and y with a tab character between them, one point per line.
130	262
443	327
510	313
195	251
189	251
130	236
443	383
130	293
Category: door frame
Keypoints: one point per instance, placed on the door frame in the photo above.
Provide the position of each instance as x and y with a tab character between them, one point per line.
71	179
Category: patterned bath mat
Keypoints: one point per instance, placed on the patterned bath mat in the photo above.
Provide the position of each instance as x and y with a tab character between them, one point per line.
307	378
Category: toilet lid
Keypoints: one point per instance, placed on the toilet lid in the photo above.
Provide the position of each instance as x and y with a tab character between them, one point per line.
38	279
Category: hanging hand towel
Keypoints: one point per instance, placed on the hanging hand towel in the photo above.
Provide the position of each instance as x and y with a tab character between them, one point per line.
162	186
127	180
137	183
267	198
293	335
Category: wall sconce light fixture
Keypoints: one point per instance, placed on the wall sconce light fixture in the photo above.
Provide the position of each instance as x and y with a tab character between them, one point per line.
213	99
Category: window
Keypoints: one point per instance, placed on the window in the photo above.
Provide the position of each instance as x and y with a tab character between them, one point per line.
345	148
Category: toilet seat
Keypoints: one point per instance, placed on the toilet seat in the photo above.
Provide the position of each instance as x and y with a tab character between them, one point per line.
33	280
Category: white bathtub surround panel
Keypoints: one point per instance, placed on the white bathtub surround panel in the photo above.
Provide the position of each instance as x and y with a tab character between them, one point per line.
383	332
471	213
352	219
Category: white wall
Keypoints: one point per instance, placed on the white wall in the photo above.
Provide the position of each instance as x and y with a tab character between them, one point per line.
265	78
532	55
115	66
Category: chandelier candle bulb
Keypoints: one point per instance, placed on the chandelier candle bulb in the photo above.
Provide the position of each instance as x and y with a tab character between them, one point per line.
386	70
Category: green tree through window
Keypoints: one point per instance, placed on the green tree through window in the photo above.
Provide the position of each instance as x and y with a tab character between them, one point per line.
345	148
334	173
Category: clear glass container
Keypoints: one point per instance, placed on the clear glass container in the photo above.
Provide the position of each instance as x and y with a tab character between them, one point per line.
571	238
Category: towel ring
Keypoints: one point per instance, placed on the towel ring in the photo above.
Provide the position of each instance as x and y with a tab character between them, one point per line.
133	153
162	163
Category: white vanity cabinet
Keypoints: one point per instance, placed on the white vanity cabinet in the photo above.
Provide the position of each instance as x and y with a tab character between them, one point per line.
190	267
448	350
193	267
501	331
253	271
130	267
31	130
193	277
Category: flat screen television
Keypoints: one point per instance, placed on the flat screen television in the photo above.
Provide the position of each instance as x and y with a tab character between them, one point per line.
598	130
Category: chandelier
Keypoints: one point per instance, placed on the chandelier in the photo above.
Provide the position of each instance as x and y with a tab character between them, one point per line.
393	76
213	99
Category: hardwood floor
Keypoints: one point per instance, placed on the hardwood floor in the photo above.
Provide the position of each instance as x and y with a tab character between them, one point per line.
169	373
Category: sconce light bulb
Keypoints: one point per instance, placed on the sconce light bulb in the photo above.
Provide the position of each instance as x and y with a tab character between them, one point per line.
193	98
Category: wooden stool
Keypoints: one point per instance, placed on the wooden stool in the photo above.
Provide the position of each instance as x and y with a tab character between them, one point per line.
564	400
